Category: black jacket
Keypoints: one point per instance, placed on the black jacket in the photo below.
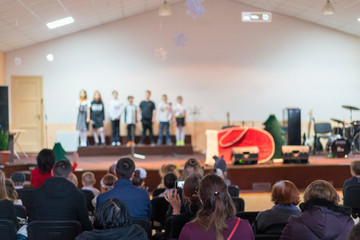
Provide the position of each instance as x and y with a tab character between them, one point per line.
59	199
133	232
7	211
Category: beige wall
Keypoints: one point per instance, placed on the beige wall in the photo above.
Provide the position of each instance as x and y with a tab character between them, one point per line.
2	69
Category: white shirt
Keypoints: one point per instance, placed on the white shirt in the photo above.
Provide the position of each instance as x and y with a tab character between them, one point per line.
164	112
179	110
85	103
94	190
130	116
116	107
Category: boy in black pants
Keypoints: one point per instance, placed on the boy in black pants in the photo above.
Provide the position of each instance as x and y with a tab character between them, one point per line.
147	115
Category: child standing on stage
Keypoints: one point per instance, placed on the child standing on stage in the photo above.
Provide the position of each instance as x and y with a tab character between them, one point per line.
164	119
116	107
130	120
147	115
83	119
97	117
179	119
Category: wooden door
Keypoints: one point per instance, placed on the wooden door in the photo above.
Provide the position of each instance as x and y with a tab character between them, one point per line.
27	112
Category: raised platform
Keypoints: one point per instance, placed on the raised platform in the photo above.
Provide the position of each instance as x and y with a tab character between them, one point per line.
144	149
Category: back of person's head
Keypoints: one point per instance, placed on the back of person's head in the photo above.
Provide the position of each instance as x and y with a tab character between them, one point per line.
125	168
10	190
169	168
88	179
217	207
107	182
3	194
62	168
18	178
191	188
137	180
112	169
169	180
355	233
285	193
321	189
45	160
192	166
74	180
112	213
355	168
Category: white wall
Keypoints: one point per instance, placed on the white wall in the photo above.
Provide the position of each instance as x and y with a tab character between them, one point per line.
249	69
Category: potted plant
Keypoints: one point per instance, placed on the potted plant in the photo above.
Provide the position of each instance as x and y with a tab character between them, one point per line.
4	147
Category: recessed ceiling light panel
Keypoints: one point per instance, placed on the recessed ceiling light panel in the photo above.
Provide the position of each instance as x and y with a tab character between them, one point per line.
256	16
60	22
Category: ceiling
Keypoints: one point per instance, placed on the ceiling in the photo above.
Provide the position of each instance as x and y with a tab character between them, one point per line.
22	22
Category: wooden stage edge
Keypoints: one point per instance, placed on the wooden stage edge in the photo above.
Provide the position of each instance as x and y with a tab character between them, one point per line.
249	178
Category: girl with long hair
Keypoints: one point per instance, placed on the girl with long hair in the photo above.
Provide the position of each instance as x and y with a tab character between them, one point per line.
216	219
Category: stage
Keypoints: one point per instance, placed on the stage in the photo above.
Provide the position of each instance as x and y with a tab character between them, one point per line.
249	178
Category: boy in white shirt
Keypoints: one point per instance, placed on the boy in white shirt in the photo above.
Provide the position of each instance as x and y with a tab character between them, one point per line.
116	107
130	120
179	119
164	119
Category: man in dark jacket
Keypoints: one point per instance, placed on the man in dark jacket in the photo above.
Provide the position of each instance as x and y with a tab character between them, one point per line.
59	199
136	199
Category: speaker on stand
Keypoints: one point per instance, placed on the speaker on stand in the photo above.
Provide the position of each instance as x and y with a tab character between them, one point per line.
294	126
4	109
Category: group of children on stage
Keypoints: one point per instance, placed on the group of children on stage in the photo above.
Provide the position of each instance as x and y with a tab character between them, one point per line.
94	113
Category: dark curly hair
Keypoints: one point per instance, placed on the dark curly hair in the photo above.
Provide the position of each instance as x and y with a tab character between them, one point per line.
45	160
112	213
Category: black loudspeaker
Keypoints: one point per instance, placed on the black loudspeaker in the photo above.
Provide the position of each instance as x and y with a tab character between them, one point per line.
294	126
4	109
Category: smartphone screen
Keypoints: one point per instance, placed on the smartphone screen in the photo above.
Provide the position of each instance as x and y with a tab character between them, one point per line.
179	184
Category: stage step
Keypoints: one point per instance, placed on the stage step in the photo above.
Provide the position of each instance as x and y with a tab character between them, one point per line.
144	149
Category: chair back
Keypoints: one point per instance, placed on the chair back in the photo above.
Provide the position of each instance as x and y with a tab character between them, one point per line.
7	230
26	196
145	224
54	230
239	204
250	216
160	207
20	211
89	196
266	237
158	191
233	191
322	128
352	199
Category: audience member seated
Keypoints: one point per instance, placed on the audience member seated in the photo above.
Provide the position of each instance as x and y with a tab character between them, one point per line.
216	219
59	199
107	182
190	195
321	218
169	182
285	196
136	199
19	180
45	162
220	169
7	209
355	233
139	177
11	192
355	172
165	169
74	180
112	222
88	181
191	166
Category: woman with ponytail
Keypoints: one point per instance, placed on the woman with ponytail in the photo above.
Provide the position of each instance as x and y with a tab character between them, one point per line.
216	219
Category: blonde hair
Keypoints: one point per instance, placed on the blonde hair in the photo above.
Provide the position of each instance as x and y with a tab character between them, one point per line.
74	179
3	194
10	190
88	178
321	189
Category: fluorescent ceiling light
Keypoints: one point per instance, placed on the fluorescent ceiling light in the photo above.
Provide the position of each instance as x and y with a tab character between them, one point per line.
60	22
256	16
